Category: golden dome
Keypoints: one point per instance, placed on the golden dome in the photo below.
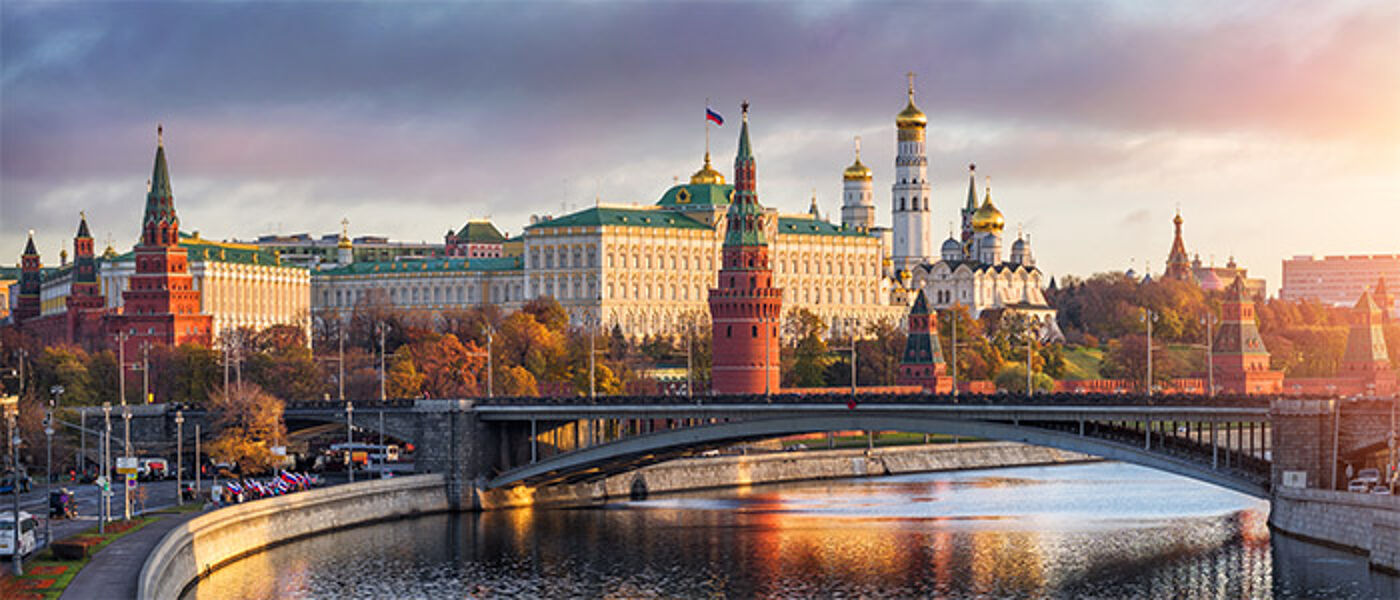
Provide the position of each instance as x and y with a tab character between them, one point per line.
707	174
857	171
911	117
988	218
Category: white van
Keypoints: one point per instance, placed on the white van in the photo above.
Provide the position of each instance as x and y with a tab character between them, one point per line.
28	533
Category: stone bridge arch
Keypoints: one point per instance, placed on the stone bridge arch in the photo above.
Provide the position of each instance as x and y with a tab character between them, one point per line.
632	452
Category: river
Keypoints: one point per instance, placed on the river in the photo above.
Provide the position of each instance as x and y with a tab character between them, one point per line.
1099	530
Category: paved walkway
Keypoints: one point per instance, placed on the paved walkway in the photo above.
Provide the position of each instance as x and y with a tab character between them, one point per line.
113	571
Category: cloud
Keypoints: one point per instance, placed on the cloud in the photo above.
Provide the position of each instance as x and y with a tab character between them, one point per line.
413	120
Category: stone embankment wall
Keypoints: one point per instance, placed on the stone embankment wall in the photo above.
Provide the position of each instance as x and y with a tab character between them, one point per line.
730	471
219	537
1362	522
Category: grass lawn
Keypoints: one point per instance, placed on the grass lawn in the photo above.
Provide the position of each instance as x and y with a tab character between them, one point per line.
1083	362
45	577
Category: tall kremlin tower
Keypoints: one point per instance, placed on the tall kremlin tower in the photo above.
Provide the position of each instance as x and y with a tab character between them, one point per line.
86	306
922	363
913	218
745	308
858	196
161	304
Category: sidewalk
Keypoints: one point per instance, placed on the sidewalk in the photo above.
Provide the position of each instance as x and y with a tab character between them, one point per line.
112	572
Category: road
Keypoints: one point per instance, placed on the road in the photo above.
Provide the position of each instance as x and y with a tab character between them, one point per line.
159	494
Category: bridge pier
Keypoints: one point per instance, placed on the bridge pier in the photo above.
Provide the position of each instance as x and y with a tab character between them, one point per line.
1302	432
457	444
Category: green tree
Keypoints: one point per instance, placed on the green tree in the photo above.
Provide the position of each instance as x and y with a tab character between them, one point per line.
1013	380
806	361
878	353
67	366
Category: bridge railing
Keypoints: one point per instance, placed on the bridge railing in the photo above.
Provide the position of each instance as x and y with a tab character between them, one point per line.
1050	399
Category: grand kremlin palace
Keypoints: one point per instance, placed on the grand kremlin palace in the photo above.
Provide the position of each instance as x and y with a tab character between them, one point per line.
645	268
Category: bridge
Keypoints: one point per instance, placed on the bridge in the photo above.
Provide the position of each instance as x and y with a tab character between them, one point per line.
1244	443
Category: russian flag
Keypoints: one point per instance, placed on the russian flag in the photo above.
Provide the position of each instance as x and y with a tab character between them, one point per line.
711	115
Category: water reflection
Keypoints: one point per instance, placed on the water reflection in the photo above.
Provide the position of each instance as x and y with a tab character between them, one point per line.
1090	531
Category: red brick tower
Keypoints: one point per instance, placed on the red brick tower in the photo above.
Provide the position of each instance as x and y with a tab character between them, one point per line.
1240	358
745	308
27	306
922	363
161	304
85	301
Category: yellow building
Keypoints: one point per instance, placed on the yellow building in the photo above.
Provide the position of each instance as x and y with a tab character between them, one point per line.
241	285
649	268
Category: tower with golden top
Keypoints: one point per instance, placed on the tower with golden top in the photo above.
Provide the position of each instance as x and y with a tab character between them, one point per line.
913	217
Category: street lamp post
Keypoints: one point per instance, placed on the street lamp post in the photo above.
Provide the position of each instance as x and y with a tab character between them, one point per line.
1148	316
106	466
1030	329
198	466
57	392
1210	354
383	329
340	362
953	340
349	439
179	457
17	557
490	337
592	350
126	445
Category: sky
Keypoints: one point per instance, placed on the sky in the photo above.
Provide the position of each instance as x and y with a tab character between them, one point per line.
1273	126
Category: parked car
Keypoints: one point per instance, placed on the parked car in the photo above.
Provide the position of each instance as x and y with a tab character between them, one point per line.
1359	486
1381	490
7	483
28	533
1368	475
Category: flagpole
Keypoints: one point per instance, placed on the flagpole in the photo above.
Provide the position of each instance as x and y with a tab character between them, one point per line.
707	126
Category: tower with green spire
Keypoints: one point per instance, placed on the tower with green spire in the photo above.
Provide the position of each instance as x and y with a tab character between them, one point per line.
161	303
745	308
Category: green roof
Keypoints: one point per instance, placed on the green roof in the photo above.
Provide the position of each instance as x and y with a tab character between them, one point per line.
9	272
199	249
810	226
480	232
622	217
697	195
438	265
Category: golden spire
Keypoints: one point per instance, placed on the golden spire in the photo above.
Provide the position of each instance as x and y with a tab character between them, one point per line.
160	134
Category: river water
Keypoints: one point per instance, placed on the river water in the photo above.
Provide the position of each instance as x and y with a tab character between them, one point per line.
1100	530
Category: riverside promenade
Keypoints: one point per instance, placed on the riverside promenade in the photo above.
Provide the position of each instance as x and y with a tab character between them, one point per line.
115	571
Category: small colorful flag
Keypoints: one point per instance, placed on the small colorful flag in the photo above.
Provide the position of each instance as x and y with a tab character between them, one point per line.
711	115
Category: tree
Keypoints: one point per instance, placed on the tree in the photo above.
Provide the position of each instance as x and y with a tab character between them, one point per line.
67	366
280	362
806	360
185	373
514	380
548	312
403	379
249	422
525	342
448	367
1013	379
879	353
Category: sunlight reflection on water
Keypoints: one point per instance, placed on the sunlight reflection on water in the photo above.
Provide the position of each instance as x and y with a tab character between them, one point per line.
1101	530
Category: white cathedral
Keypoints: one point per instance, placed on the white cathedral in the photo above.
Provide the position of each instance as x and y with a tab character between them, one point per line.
969	270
